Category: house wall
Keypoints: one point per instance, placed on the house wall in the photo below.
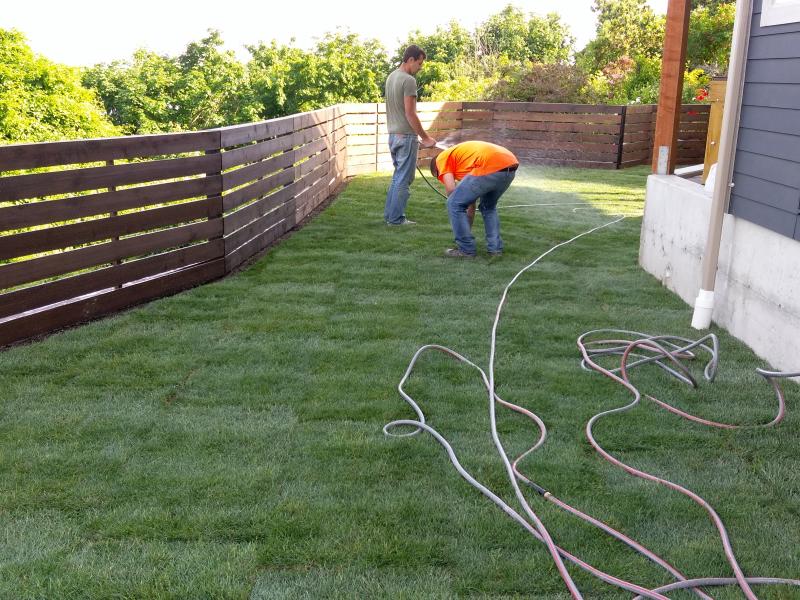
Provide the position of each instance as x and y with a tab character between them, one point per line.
766	174
757	296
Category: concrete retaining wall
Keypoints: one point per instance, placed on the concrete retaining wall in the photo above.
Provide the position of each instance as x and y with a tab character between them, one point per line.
757	296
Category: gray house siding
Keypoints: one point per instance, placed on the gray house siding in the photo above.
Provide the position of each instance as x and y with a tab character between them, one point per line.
766	175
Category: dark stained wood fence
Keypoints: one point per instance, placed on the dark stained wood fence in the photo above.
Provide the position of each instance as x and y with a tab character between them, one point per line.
640	125
90	227
577	135
105	224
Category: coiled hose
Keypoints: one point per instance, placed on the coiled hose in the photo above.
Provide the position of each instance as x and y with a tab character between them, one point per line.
664	351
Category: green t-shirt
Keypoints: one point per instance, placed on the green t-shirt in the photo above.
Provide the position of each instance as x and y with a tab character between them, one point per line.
399	84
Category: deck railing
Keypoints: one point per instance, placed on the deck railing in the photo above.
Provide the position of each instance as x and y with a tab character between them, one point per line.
92	226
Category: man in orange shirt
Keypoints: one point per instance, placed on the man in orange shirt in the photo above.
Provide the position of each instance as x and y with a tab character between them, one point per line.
484	171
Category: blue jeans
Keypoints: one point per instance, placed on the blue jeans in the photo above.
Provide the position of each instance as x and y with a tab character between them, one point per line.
488	188
403	148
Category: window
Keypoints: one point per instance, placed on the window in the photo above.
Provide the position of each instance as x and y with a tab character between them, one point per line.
779	12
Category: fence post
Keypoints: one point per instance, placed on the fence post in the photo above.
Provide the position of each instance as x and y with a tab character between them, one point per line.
377	132
215	199
623	115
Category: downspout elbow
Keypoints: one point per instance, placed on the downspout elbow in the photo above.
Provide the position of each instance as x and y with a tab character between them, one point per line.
703	307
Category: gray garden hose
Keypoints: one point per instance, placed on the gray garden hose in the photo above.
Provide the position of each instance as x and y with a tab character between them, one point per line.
669	350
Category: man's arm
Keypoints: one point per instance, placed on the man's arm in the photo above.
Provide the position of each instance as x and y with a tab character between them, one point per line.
449	181
410	104
450	186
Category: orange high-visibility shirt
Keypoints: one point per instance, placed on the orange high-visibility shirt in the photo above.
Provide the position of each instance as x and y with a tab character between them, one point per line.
474	158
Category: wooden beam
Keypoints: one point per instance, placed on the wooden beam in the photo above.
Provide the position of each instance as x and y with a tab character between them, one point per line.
669	99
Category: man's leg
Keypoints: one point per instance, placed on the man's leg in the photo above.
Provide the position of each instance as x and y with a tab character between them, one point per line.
457	204
497	183
403	149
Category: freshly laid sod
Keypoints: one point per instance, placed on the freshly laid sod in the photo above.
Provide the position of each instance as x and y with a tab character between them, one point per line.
226	442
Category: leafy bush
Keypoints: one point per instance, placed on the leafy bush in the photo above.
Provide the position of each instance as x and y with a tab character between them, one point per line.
539	82
41	100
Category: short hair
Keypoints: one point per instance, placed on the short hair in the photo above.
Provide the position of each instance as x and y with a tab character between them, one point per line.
434	168
413	51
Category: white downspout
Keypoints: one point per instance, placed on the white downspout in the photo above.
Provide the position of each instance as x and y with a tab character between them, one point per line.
704	305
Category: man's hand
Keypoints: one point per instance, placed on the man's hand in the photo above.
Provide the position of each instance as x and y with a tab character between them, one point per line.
427	142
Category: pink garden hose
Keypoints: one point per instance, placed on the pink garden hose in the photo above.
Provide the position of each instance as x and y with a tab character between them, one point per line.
665	352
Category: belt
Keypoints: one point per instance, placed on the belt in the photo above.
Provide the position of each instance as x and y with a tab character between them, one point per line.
510	169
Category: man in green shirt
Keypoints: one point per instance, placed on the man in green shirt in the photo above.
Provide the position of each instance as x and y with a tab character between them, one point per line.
404	126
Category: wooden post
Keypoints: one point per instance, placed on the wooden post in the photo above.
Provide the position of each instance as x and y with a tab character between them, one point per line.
669	98
115	239
215	210
621	140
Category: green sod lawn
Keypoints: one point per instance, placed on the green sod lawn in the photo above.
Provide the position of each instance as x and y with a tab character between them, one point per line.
226	442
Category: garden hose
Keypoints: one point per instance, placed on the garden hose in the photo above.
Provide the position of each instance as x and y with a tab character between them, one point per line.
635	349
430	185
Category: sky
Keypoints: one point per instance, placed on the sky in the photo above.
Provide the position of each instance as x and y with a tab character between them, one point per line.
86	32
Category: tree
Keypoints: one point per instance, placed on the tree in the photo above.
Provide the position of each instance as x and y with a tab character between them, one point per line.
540	82
505	33
512	34
467	79
41	100
710	36
204	87
138	96
341	68
444	45
349	69
624	28
212	89
549	40
273	71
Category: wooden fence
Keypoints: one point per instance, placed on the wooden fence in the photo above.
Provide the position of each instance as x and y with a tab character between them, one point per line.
577	135
109	223
90	227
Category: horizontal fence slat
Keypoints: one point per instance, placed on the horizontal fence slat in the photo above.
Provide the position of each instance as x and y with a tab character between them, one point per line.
262	187
83	310
65	209
242	134
256	152
538	107
47	154
38	296
249	249
36	269
507	119
31	242
258	226
238	177
253	211
35	185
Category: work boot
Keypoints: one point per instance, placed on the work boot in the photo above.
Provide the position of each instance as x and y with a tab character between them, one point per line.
457	253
